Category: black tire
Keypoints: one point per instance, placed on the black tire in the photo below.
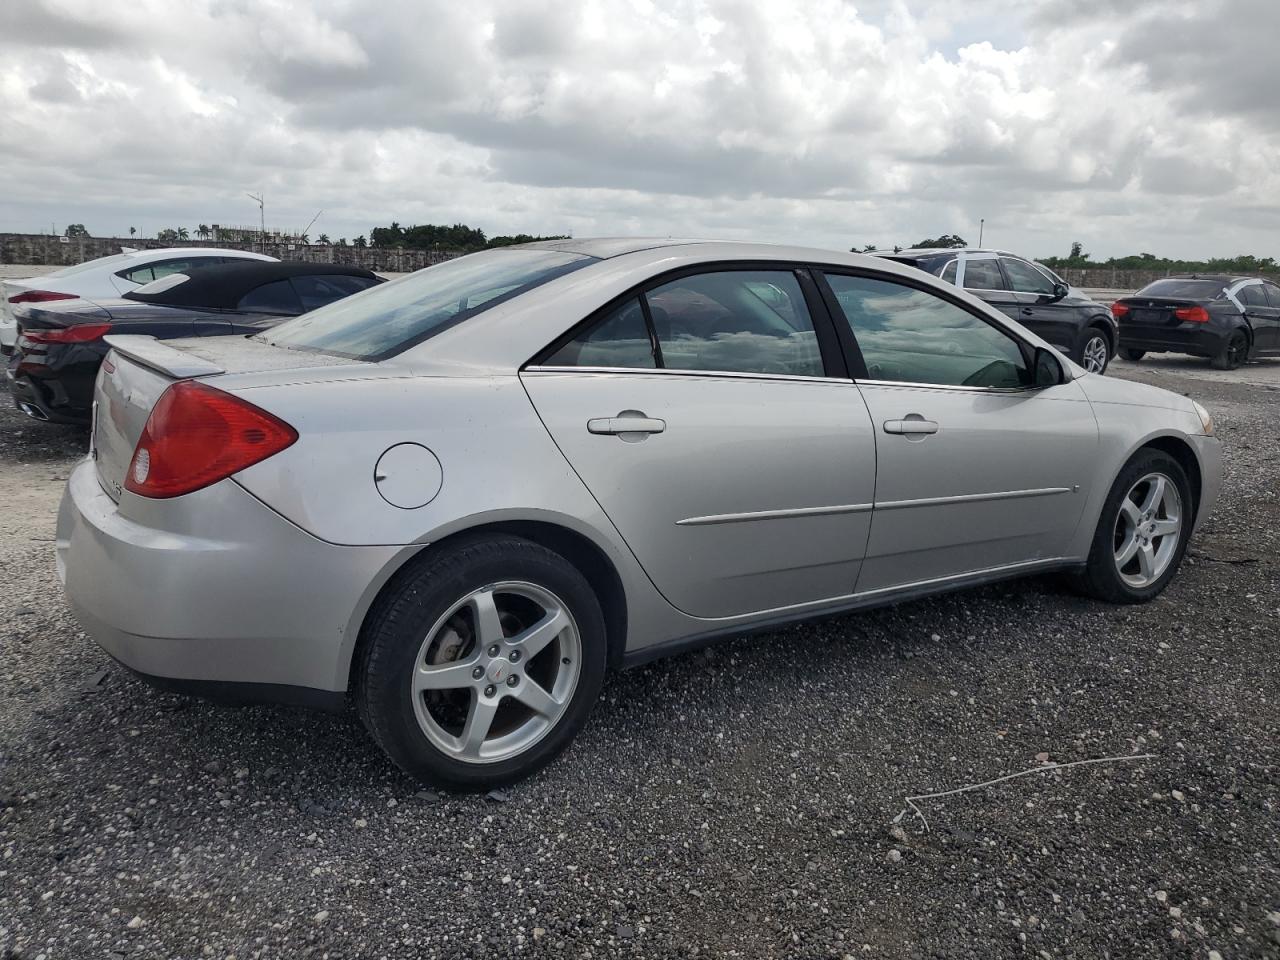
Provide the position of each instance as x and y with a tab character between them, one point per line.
1133	356
1101	579
1234	352
1093	342
395	632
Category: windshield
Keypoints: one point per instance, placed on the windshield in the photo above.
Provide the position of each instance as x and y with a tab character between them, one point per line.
388	319
1183	289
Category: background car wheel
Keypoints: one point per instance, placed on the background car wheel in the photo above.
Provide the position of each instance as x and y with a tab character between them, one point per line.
480	664
1133	356
1234	352
1095	350
1143	531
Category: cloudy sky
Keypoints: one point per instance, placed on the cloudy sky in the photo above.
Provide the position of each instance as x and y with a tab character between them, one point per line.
1126	124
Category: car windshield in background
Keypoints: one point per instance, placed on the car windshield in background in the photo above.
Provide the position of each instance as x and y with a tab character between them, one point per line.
1183	289
392	317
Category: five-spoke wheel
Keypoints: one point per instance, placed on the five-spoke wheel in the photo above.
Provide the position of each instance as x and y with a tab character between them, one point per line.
481	661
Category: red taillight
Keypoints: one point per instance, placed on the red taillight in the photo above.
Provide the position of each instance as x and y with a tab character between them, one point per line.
1119	310
1192	314
40	296
197	435
80	333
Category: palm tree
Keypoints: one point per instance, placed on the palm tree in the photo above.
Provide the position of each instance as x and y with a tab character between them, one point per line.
132	231
182	233
324	238
202	231
361	242
304	239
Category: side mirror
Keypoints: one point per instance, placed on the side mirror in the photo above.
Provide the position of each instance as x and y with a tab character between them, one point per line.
1048	371
1060	292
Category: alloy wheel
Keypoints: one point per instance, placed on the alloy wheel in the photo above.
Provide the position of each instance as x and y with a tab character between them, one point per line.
496	673
1148	528
1095	354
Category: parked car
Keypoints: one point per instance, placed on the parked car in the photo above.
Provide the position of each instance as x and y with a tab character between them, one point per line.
465	495
106	277
1227	319
61	343
1030	293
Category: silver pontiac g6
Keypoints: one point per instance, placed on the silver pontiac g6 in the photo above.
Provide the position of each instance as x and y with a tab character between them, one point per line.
462	497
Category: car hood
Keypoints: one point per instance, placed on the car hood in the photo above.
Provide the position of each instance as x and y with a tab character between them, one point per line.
1103	389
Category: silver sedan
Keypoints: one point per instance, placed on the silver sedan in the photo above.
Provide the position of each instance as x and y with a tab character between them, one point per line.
462	497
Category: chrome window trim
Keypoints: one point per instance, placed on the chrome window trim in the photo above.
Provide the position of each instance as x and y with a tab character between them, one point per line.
676	372
944	386
775	514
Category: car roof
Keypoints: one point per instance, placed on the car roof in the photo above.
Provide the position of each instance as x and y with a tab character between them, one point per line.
920	252
604	248
1226	278
168	253
222	286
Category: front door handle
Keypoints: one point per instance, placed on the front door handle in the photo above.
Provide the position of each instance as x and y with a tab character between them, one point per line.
629	425
1028	312
913	425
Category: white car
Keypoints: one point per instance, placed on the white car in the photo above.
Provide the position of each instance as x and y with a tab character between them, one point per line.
106	277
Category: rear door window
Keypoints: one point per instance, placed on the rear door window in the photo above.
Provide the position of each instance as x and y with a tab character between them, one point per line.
1253	295
619	339
983	275
741	321
1273	294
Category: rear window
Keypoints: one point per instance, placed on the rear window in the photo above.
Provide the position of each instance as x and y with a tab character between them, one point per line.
390	318
1183	289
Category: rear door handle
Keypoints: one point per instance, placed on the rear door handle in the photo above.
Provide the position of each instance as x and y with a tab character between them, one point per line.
911	426
629	421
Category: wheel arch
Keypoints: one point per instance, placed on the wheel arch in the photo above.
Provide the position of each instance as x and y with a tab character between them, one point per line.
580	550
1181	451
1103	326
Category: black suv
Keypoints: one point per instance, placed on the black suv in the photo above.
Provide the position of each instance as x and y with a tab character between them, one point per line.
1030	293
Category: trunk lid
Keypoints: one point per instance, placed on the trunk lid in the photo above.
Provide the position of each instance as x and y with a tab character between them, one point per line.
1155	311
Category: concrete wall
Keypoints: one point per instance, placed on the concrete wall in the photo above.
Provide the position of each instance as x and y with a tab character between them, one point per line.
34	248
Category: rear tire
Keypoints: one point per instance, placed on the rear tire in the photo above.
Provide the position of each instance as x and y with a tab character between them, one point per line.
1133	356
1131	559
1234	352
482	663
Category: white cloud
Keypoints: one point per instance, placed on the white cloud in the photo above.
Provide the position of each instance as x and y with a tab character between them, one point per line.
815	121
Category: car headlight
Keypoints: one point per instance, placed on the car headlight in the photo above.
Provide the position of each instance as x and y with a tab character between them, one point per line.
1206	421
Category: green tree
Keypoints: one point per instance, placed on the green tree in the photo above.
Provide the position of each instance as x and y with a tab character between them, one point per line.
946	241
132	231
202	231
360	242
181	233
75	230
167	235
324	238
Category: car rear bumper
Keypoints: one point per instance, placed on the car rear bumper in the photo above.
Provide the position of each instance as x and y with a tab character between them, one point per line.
214	592
1197	339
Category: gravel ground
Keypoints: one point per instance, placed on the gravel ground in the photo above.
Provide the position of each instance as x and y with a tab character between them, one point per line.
738	802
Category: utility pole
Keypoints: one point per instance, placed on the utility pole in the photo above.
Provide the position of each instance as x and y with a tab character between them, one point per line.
262	215
981	224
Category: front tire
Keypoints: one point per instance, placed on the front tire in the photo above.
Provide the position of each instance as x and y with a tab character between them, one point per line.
1234	352
482	663
1142	533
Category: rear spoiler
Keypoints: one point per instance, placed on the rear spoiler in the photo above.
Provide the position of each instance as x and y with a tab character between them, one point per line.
161	357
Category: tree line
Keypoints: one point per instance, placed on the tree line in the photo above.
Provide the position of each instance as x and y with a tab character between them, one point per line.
459	236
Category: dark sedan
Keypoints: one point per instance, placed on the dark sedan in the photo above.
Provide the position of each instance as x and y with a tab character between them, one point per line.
1029	293
1226	319
60	344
